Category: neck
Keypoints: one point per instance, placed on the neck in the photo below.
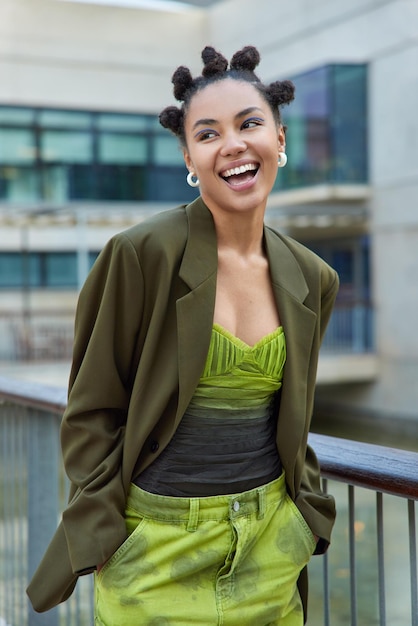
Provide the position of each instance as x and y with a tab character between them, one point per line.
241	232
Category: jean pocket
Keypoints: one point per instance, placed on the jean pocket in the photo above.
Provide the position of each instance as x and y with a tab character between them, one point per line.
305	543
135	524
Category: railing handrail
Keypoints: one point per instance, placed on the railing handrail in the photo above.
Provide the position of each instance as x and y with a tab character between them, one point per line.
384	469
388	470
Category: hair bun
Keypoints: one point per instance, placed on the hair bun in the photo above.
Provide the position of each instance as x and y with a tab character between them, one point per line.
246	59
214	62
171	118
281	92
215	68
182	81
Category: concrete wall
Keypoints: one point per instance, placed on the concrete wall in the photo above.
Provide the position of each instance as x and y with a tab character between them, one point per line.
296	35
55	53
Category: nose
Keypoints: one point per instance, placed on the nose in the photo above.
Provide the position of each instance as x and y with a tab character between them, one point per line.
233	143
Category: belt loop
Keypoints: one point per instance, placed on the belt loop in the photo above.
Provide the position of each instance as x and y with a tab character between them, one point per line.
261	502
193	515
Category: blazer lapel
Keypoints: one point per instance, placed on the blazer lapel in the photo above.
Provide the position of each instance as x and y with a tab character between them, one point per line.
195	309
291	289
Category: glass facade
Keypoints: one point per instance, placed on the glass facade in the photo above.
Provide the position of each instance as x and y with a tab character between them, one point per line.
350	257
58	156
326	138
40	270
351	326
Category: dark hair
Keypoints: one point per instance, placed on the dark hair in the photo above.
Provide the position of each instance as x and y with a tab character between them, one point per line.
215	68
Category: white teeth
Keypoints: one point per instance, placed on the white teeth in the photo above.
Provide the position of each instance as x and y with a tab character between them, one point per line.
239	170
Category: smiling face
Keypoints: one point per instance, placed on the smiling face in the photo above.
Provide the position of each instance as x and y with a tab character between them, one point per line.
233	144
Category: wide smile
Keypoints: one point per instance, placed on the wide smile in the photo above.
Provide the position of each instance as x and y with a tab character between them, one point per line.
240	176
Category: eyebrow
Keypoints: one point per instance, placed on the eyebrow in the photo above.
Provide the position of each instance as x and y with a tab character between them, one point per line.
208	121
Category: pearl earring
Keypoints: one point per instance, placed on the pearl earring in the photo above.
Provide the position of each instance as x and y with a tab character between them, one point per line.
190	181
282	159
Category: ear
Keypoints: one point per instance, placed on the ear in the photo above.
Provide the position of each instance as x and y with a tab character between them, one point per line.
282	139
188	161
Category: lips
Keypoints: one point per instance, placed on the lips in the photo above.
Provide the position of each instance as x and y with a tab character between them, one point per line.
240	174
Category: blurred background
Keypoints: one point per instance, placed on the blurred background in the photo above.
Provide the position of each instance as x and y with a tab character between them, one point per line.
82	156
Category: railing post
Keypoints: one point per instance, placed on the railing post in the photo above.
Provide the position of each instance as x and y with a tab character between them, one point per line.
413	562
352	535
326	573
380	558
43	503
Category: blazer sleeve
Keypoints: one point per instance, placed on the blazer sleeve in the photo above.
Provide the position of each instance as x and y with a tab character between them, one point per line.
317	507
107	321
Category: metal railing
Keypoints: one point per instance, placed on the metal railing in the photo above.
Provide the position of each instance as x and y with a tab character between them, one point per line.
389	475
348	587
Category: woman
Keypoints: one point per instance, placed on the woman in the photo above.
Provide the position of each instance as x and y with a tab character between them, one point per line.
194	493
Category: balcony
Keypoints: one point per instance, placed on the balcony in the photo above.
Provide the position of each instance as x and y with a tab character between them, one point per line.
368	577
347	354
47	336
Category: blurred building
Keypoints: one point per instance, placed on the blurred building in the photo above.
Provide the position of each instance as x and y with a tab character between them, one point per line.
82	156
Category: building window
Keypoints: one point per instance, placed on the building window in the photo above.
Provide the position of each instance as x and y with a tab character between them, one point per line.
14	270
40	270
326	137
60	270
59	156
351	325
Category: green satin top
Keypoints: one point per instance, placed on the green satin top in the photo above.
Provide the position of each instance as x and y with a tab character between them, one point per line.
226	440
237	375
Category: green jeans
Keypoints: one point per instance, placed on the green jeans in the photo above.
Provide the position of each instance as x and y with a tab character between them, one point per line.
219	560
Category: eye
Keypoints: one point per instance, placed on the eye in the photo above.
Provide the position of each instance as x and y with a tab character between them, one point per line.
205	134
252	122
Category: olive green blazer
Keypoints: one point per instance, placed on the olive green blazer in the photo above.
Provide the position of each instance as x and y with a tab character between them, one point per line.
143	327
